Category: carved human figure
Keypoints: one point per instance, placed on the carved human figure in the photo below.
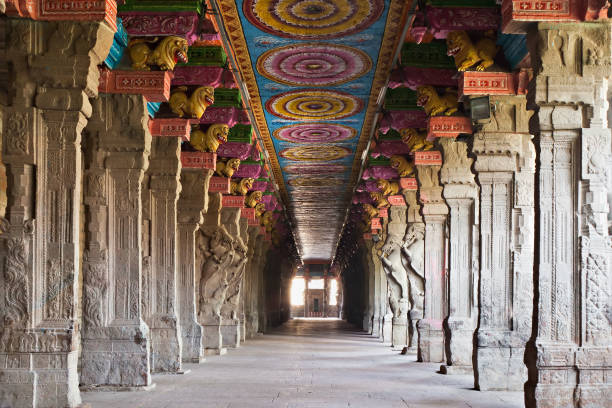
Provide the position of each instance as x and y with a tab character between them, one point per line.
413	250
235	273
397	279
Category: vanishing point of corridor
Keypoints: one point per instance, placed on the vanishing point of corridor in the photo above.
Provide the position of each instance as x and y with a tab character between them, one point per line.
310	363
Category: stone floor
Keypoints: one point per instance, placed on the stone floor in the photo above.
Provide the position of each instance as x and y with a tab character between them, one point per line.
310	363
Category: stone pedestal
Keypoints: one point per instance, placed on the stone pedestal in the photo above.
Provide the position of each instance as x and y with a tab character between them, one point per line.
193	201
431	334
505	169
387	328
50	81
461	195
230	333
160	193
570	363
115	339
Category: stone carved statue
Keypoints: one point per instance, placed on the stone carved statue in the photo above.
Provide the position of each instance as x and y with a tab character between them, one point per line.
379	199
242	186
413	250
235	272
253	199
387	187
227	168
404	167
260	209
169	51
195	105
435	104
467	54
416	139
215	135
397	278
215	254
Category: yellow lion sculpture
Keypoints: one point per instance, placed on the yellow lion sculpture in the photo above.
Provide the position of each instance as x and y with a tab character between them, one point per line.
416	140
195	105
267	220
466	54
227	169
169	51
388	188
369	211
260	209
241	187
253	199
404	167
379	199
434	104
210	141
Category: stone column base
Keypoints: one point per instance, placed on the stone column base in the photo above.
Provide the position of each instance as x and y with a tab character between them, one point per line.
376	326
456	369
367	324
500	368
42	380
165	350
431	341
387	328
192	351
212	341
399	334
230	334
116	356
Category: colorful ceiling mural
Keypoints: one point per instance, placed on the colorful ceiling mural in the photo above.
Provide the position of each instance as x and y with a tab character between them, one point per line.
313	70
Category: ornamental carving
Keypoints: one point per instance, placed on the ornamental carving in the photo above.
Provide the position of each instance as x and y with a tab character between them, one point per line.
16	284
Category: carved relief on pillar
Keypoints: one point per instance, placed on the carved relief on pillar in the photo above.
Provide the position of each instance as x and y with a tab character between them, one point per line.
575	252
461	195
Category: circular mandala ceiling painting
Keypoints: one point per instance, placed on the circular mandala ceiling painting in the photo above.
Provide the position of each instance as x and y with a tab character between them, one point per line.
315	153
308	104
315	133
315	182
310	19
314	169
313	64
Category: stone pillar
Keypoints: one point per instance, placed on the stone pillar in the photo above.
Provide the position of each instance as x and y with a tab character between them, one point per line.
461	195
413	259
193	201
431	334
115	339
160	192
397	278
368	265
380	289
214	256
571	364
505	162
53	74
253	282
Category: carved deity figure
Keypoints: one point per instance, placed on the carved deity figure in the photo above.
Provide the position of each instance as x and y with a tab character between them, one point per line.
435	104
195	105
215	254
169	51
397	279
467	54
227	168
413	250
210	141
235	272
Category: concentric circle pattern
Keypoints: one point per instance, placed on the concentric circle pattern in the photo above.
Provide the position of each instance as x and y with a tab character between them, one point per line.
316	153
315	182
305	19
313	64
314	169
315	133
306	104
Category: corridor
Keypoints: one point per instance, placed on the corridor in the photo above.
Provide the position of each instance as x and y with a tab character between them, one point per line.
310	363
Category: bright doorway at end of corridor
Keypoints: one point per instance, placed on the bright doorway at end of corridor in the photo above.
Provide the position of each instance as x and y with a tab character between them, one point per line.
315	293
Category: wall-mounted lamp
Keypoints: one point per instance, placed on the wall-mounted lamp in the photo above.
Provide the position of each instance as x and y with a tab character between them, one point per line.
480	108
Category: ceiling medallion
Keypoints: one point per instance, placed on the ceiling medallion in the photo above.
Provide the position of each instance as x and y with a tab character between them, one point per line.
310	19
308	104
313	64
311	182
314	169
316	153
315	133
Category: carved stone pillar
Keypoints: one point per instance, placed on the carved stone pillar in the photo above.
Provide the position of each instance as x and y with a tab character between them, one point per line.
252	282
413	251
397	278
431	334
505	169
571	363
160	192
193	201
214	256
368	265
461	195
53	71
115	339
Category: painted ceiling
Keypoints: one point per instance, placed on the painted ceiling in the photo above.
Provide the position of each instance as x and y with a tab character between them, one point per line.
314	70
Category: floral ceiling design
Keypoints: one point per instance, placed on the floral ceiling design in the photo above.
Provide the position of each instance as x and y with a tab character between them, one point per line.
313	70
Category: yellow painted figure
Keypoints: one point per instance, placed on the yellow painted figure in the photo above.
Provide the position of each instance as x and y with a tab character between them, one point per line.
227	169
404	167
241	187
369	211
388	188
211	140
267	220
434	104
379	199
260	209
169	51
416	140
253	199
467	54
195	105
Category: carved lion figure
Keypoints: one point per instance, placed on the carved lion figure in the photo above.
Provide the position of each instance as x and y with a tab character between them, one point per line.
253	199
194	105
434	104
379	199
369	210
241	187
388	188
215	135
466	54
227	169
404	167
414	139
260	209
267	220
169	51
